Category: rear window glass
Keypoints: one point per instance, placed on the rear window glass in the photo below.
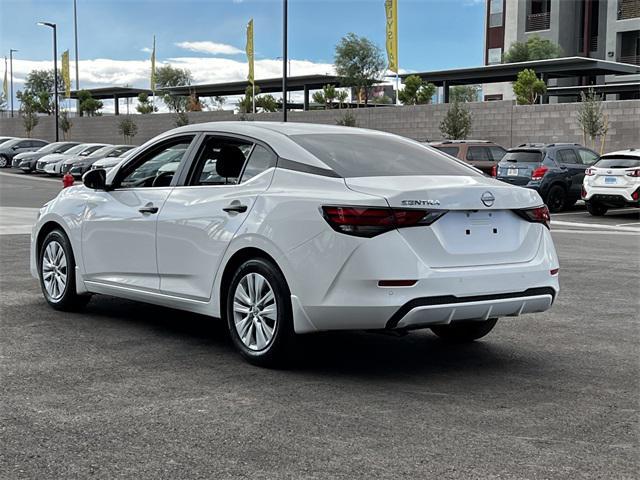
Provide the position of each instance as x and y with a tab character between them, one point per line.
453	151
523	156
362	155
618	162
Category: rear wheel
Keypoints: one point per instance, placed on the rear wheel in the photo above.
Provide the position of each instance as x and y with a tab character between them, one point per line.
596	209
57	268
556	199
4	161
259	316
463	332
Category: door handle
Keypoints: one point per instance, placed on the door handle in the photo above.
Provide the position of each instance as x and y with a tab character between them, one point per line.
148	209
235	207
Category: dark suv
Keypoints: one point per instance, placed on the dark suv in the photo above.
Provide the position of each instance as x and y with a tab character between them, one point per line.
555	171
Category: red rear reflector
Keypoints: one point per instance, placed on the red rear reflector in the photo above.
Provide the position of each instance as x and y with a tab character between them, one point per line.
583	193
372	221
539	172
636	195
554	271
536	215
494	171
397	283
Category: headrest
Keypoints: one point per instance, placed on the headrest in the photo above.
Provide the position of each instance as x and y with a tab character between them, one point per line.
230	161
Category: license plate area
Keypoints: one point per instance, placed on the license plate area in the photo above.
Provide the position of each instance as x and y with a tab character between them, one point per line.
610	180
512	172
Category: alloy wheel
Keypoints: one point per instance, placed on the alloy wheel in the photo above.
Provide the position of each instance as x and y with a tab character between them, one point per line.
255	312
54	270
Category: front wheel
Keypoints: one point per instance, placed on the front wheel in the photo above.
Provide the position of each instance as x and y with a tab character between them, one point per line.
596	209
463	332
258	311
4	161
57	268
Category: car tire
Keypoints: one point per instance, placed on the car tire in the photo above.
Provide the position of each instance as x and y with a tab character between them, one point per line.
258	313
464	332
57	273
4	161
556	199
596	209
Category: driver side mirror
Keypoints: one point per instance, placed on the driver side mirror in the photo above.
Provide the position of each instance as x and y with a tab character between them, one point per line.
95	179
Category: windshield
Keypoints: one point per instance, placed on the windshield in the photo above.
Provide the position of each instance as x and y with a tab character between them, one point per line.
372	155
120	150
523	156
89	150
52	147
11	143
621	161
100	152
76	149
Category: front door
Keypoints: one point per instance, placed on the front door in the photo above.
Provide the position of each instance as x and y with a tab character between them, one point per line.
568	158
119	225
202	216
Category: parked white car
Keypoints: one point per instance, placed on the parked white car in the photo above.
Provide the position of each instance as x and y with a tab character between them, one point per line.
300	228
613	182
108	163
56	157
54	166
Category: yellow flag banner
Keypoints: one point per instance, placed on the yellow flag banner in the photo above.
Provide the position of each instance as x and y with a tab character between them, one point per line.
65	74
249	50
152	78
5	84
391	9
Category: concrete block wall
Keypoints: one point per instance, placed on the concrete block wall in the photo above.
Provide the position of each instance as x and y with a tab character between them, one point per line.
502	122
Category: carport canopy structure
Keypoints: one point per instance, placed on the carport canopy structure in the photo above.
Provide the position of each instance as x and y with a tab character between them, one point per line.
304	83
112	93
508	72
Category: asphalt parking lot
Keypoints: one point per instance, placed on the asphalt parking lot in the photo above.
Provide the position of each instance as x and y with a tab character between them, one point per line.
126	390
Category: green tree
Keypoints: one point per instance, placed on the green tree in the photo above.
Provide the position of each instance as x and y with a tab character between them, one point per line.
593	121
168	76
245	104
39	85
359	62
329	94
535	48
457	122
219	102
89	106
181	120
383	100
28	112
342	96
145	106
416	91
267	103
318	97
3	102
528	87
464	93
347	120
65	124
127	128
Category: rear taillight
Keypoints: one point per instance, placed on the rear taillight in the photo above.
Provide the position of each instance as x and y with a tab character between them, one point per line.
494	171
589	172
583	193
372	221
539	172
636	195
536	215
633	173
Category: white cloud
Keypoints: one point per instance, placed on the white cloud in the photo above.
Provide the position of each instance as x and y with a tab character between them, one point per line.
146	50
209	47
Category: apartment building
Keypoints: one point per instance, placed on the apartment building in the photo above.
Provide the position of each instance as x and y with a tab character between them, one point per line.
602	29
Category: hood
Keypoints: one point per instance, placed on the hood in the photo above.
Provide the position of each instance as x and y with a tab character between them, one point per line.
444	192
53	157
26	156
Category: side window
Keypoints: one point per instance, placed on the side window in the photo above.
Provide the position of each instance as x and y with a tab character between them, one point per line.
24	144
588	157
220	161
38	143
497	153
567	155
453	151
155	167
260	160
475	154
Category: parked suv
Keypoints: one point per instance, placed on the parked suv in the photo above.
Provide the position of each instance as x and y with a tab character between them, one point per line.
555	170
613	182
482	154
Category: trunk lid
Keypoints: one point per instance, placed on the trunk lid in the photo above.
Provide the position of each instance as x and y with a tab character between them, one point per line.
517	166
471	233
611	177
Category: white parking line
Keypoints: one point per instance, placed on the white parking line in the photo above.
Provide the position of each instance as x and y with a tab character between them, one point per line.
596	226
580	212
595	232
27	176
17	220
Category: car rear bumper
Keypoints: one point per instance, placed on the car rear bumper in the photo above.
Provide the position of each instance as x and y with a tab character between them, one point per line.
614	197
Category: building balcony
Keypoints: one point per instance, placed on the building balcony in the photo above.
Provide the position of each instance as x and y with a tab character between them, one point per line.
632	59
628	9
538	21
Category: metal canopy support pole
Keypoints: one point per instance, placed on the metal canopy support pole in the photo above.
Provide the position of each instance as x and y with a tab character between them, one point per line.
284	61
11	71
305	104
544	98
75	34
445	90
55	77
116	102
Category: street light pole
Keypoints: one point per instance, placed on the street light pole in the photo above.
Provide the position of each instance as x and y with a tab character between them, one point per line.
55	71
75	33
284	61
11	73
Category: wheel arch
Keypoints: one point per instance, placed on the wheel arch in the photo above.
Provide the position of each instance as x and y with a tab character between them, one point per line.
44	230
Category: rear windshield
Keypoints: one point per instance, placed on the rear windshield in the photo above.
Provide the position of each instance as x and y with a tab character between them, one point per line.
523	156
453	151
618	162
370	155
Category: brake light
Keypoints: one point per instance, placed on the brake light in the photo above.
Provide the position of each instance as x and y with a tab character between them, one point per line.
536	215
494	171
589	172
539	172
371	221
636	195
633	173
583	193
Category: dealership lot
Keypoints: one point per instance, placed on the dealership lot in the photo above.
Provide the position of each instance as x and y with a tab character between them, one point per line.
124	387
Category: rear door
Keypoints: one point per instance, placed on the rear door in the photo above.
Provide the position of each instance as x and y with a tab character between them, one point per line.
480	157
204	212
569	159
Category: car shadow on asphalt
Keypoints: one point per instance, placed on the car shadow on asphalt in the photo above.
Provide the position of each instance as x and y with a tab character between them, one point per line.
344	353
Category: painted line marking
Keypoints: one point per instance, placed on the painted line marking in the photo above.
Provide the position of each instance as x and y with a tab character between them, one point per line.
595	232
27	176
599	226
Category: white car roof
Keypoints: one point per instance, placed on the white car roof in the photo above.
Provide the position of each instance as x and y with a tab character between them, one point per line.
632	152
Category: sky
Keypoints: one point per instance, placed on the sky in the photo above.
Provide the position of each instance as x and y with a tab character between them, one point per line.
208	36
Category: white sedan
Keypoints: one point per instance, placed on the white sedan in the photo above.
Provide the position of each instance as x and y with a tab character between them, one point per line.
283	229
